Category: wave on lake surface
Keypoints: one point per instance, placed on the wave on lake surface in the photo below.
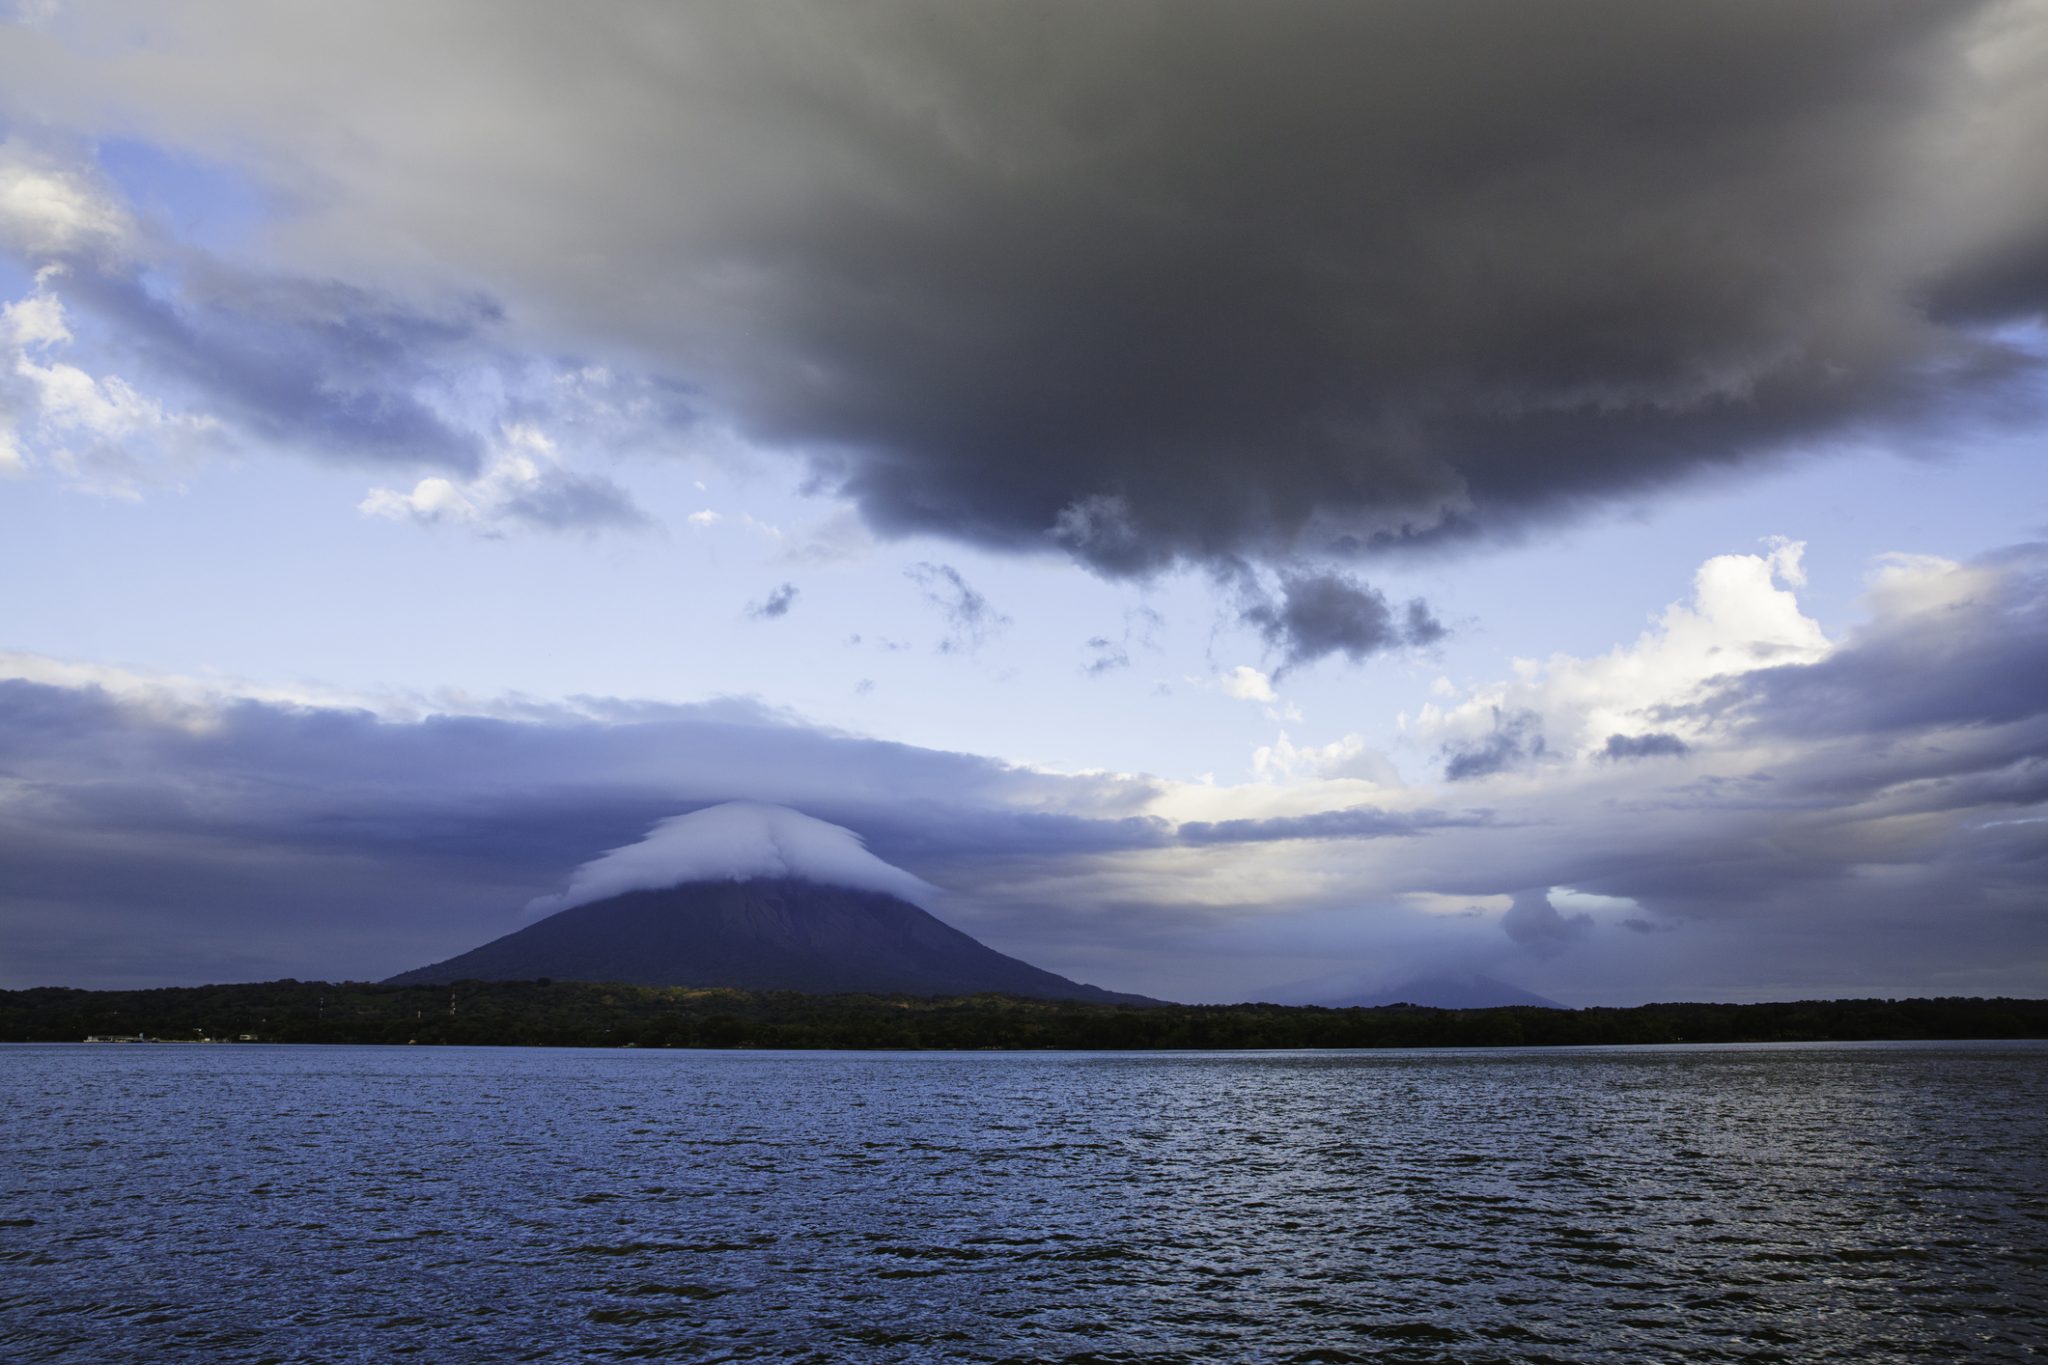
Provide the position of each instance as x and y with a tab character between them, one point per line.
1864	1202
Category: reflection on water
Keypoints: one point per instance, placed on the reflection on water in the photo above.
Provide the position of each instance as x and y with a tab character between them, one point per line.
255	1203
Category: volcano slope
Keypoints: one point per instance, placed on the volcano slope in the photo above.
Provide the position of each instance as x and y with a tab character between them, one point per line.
762	934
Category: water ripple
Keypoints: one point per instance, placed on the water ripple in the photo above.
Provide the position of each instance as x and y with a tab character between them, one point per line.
1869	1203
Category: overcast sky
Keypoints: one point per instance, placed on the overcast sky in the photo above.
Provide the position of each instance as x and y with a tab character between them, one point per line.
1226	493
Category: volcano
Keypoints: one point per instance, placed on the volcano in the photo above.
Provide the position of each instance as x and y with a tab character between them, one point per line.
759	934
1449	990
757	897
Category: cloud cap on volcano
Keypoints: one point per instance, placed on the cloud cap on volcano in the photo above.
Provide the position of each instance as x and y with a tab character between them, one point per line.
736	841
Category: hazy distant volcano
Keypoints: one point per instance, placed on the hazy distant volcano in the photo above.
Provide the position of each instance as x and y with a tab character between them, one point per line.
757	897
1439	990
780	934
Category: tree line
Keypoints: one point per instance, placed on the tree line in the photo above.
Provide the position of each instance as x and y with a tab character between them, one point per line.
584	1014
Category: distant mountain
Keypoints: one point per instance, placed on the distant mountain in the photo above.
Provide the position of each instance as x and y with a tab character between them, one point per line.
759	934
1443	990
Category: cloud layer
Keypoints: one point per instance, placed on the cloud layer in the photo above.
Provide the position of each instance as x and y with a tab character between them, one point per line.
1788	813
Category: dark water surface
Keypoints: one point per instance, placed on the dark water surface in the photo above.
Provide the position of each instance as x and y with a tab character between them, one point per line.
242	1203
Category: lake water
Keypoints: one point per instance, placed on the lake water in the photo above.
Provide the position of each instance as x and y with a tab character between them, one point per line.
245	1203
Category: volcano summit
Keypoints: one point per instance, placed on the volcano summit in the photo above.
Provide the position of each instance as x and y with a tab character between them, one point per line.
755	897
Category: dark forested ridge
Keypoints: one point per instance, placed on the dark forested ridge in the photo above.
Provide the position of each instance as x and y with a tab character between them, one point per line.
569	1013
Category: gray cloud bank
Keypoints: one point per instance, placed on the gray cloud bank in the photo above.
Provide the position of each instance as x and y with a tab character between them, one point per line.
1354	822
246	837
1149	281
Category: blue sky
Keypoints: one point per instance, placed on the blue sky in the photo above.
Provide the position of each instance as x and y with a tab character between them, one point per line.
1131	481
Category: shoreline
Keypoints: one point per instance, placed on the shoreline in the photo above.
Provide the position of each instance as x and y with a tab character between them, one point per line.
582	1014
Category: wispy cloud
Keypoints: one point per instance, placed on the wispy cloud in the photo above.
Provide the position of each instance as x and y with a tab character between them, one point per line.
776	604
969	619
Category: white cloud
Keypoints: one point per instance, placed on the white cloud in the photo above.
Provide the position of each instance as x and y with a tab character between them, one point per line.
37	320
1247	684
46	210
1588	902
524	484
431	500
1349	757
1907	585
736	841
1743	615
74	400
99	432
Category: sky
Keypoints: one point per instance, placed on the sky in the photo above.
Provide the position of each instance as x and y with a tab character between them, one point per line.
1221	494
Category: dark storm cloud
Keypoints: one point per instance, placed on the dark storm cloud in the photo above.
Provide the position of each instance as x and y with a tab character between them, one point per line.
2012	279
776	603
1320	614
1190	280
1658	745
1516	737
1424	271
970	620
